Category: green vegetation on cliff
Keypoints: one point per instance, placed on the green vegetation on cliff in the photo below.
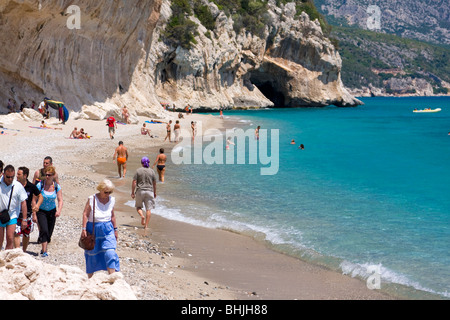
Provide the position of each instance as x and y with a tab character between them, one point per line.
370	57
249	14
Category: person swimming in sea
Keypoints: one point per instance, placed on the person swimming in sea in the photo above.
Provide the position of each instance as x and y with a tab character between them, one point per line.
229	142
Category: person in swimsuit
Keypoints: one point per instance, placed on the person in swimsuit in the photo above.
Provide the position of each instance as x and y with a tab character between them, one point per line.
75	134
122	156
160	163
168	131
194	129
177	129
145	131
229	142
125	115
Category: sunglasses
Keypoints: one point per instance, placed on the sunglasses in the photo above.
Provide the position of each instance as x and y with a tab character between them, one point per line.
9	177
48	175
107	192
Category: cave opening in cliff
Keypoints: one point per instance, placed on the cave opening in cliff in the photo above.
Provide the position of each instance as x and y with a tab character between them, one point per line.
270	92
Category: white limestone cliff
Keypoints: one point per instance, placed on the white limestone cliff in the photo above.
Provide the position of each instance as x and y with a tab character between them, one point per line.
117	58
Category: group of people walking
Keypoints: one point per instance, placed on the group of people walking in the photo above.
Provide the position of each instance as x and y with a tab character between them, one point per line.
27	202
24	203
99	217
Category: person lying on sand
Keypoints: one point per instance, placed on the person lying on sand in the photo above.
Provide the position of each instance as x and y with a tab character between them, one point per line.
44	125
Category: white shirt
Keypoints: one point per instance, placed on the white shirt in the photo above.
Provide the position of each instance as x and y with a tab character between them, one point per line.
19	195
103	212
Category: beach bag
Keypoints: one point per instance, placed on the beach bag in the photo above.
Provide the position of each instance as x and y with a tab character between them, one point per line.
4	215
88	242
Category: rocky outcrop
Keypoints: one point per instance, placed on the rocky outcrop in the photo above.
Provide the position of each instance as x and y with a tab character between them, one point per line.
294	64
117	58
24	278
98	64
303	64
421	20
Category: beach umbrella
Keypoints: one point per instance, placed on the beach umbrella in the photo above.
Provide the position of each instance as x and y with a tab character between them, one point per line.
62	110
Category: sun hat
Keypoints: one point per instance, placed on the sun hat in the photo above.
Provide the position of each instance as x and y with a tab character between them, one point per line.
145	161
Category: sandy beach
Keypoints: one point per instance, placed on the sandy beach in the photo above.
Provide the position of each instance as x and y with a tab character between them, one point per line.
171	260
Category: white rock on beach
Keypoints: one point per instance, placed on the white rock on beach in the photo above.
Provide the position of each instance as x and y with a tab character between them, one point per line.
24	278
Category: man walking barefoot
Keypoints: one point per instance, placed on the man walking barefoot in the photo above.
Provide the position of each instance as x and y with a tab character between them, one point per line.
143	190
122	156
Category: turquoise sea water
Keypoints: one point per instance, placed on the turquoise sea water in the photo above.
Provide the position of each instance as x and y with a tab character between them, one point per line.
370	190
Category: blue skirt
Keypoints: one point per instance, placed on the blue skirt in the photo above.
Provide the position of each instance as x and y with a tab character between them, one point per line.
104	254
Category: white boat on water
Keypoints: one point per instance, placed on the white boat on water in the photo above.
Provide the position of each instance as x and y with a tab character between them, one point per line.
427	110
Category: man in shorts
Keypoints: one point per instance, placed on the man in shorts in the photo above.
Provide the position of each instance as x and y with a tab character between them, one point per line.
143	190
11	189
122	156
112	126
33	201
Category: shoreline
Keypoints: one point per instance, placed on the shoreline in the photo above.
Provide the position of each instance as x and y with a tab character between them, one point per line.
279	275
173	260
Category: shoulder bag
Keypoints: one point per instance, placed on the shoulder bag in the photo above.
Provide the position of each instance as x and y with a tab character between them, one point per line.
4	215
88	242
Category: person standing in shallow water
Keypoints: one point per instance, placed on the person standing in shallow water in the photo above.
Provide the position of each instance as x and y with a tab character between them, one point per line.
143	190
257	132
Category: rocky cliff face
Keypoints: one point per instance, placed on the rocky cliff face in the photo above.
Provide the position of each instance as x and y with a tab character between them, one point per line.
393	48
117	58
422	20
98	64
294	64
